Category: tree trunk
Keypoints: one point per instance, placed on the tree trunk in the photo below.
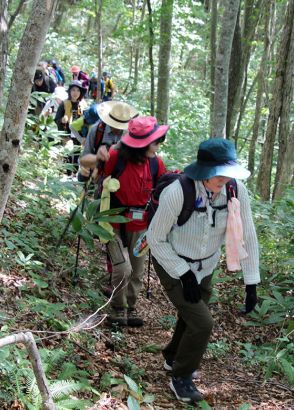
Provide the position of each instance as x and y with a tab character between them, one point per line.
3	44
28	340
286	154
18	100
234	71
213	27
18	10
265	169
164	61
262	75
99	48
137	51
222	67
286	170
151	62
252	13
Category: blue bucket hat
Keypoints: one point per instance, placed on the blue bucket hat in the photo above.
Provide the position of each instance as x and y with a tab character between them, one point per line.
216	157
91	114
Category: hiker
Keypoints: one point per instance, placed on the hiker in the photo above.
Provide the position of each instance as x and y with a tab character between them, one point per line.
114	117
108	87
68	111
133	159
58	72
42	83
78	74
185	256
80	127
54	101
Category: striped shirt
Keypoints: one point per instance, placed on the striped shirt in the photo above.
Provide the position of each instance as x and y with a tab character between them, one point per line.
197	239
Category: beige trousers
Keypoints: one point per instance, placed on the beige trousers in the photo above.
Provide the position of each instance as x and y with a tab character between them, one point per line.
127	270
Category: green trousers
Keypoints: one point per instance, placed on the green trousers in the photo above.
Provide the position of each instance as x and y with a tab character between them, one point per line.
193	328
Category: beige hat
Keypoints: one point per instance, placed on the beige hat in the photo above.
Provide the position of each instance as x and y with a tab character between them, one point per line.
116	114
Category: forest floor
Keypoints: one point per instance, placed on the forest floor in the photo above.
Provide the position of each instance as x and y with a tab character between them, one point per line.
226	380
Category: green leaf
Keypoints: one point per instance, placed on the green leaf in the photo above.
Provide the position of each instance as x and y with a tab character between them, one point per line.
40	283
264	307
113	219
288	369
99	231
148	398
245	406
133	403
92	209
77	221
204	405
132	385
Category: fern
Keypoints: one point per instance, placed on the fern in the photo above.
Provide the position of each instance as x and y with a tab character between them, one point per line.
73	404
52	359
62	388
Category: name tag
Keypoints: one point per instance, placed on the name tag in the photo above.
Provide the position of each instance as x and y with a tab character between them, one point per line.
137	214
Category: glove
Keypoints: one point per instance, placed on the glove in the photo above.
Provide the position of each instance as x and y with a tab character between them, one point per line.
251	298
191	289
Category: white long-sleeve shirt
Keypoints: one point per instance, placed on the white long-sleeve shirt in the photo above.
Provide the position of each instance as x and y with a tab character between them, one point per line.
197	239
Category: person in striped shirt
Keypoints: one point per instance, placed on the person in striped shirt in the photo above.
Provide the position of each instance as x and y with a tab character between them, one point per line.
184	257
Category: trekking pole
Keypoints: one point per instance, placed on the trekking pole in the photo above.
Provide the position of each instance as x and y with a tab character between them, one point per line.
75	278
148	277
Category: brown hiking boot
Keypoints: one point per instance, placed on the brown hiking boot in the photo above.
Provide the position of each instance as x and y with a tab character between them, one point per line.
134	320
117	316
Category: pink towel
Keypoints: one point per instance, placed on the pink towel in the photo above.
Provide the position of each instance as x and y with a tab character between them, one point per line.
235	250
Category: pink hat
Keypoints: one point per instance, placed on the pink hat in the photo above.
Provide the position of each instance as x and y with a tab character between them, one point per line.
75	69
143	131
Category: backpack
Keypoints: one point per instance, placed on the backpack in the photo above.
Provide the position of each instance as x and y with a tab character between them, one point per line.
188	187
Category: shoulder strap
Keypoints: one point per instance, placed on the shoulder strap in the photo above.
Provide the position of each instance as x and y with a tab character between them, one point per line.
231	189
189	191
154	166
99	135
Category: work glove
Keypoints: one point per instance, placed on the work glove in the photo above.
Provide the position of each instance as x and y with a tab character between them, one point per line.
250	299
191	289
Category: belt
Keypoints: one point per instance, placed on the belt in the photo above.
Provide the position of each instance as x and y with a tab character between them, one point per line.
196	260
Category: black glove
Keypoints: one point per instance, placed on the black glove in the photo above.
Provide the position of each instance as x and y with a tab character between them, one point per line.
251	298
191	289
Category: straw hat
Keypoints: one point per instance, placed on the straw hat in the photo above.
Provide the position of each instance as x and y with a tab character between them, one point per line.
116	114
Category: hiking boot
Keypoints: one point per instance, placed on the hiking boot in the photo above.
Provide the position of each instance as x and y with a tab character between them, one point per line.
168	365
134	320
185	389
117	317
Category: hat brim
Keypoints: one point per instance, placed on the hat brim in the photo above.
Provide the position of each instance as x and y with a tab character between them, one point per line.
200	172
144	142
104	110
82	89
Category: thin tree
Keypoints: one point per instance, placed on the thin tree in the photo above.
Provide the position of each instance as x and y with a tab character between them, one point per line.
164	61
18	100
241	56
3	44
261	76
151	61
137	50
213	27
99	47
284	172
222	67
279	90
